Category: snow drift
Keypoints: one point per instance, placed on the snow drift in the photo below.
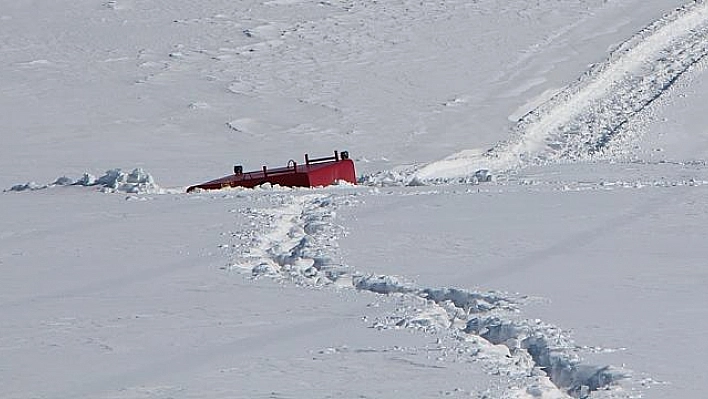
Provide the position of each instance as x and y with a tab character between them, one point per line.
113	181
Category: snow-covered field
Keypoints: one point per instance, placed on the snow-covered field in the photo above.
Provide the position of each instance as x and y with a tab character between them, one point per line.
578	271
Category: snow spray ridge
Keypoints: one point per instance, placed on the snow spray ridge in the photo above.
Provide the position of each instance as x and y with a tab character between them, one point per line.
582	119
113	181
296	241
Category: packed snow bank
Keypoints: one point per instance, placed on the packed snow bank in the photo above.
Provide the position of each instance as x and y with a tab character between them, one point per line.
296	240
113	181
582	119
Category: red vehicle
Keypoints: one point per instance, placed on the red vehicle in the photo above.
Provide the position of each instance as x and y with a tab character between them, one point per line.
313	173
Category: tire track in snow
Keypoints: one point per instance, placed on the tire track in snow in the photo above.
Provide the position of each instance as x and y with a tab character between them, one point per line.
581	120
296	240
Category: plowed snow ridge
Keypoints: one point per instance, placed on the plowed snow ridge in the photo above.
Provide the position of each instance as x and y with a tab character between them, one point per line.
582	119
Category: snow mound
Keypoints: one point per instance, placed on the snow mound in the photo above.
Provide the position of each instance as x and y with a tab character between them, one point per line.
383	285
113	181
24	187
388	178
469	301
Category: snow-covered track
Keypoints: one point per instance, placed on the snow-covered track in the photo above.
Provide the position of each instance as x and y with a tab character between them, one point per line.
582	119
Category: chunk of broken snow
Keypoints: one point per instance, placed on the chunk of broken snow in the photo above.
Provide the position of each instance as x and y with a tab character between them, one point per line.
135	182
63	181
27	186
382	285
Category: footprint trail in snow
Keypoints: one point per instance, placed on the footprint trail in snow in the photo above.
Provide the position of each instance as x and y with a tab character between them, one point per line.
296	241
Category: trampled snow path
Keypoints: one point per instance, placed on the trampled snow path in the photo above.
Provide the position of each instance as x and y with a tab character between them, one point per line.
582	119
296	240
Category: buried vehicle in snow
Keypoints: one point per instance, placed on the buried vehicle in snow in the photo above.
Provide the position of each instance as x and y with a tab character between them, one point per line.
313	173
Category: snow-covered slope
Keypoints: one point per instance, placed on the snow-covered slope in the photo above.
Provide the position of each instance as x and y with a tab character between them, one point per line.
576	272
184	91
582	119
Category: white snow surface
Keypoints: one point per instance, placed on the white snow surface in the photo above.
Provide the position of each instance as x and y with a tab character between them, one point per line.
530	221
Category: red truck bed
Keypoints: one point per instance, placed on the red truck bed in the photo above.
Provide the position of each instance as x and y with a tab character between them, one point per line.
313	173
